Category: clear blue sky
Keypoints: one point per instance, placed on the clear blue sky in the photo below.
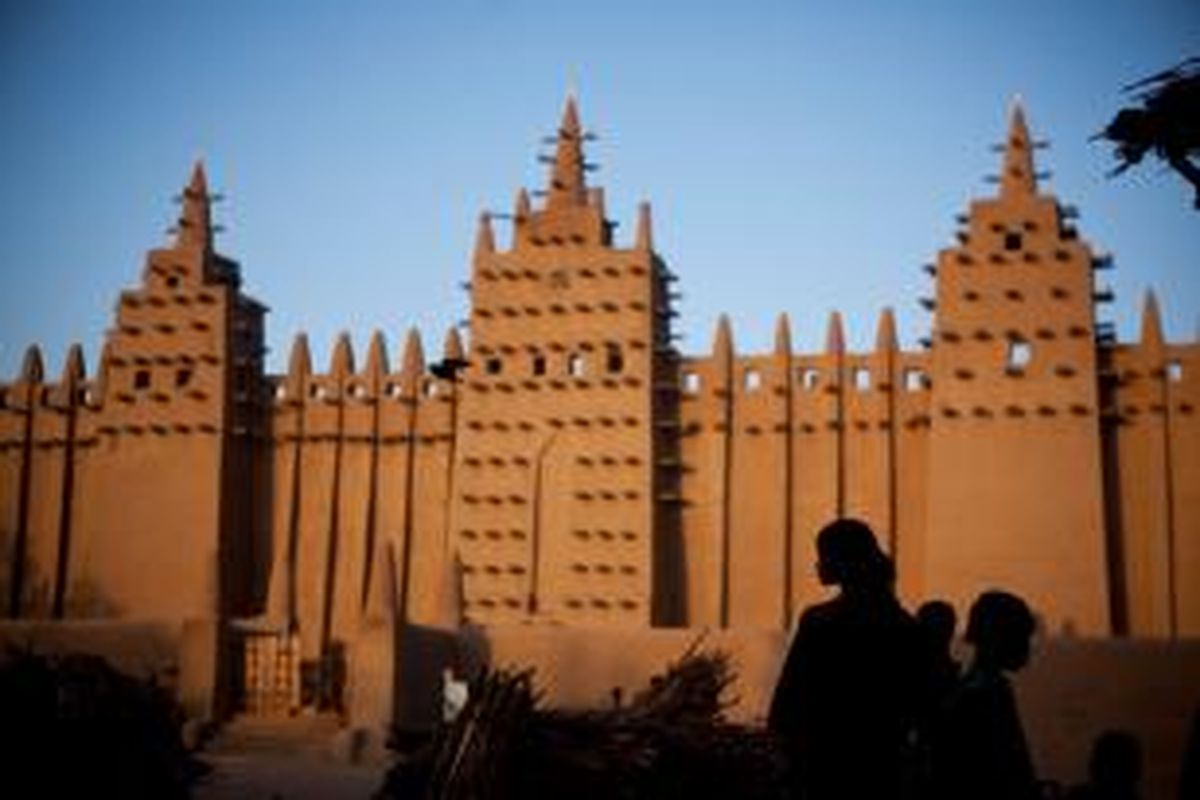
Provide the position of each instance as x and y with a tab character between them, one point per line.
800	156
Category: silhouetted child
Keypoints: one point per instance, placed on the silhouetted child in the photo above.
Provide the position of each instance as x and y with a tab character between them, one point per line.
1113	770
979	748
847	698
937	621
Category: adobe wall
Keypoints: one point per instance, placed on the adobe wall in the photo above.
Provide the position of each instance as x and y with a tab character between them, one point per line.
353	452
1075	689
1153	442
773	447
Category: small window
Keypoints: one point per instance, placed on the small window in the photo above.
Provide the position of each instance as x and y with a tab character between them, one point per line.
914	380
493	366
1019	354
1012	241
615	361
538	365
182	378
173	281
752	380
141	379
430	388
810	377
691	382
575	365
1174	371
861	376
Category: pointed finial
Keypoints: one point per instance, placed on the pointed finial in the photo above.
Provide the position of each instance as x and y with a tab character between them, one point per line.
32	368
567	185
341	363
885	334
300	360
74	370
723	339
414	355
195	219
835	341
783	336
452	348
485	240
100	384
1152	333
1018	176
644	236
377	360
523	207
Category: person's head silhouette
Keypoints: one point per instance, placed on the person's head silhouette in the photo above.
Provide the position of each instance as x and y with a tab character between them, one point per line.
938	621
848	556
1000	626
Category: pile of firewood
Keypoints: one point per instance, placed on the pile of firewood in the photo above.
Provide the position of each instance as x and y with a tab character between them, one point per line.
672	740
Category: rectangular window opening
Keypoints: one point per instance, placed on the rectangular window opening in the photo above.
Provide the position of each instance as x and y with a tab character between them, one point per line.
575	365
1019	354
752	380
861	377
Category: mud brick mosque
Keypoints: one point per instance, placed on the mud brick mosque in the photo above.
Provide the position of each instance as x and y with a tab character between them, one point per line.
566	472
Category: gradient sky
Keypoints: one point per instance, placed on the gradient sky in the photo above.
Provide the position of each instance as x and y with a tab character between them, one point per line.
800	156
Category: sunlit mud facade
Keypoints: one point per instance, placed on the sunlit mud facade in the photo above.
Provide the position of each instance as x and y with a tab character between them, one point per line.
566	465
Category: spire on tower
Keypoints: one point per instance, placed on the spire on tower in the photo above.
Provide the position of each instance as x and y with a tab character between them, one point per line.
74	372
485	240
1152	333
644	235
377	361
452	348
195	220
341	364
412	366
885	334
32	370
1018	176
567	185
300	360
835	340
783	336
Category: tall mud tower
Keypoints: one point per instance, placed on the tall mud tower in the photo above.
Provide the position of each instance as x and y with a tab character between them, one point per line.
1016	486
565	429
138	495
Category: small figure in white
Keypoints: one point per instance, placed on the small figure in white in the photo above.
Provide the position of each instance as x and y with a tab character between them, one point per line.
454	695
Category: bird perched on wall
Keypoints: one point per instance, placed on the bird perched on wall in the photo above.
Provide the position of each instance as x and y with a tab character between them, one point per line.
448	368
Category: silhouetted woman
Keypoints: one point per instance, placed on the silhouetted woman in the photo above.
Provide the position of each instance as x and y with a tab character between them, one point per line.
847	698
